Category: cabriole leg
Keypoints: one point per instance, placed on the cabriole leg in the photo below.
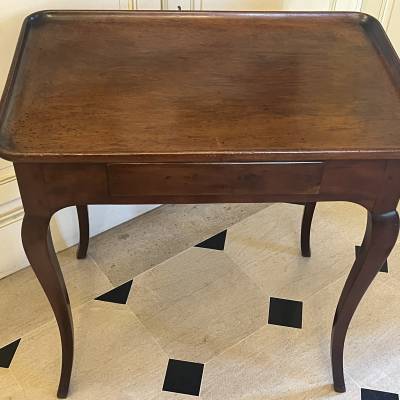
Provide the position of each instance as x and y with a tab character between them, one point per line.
306	228
83	218
380	237
39	249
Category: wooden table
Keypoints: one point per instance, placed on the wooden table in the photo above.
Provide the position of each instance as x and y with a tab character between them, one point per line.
154	107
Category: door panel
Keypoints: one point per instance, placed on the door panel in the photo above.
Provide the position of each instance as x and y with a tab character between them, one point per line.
185	5
388	13
250	5
393	21
266	5
148	5
372	7
311	5
237	5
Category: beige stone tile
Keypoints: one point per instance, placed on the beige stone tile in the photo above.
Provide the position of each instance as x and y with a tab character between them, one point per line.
24	307
68	255
384	383
373	344
152	238
115	357
371	353
9	387
84	280
372	349
319	309
176	279
203	306
394	263
266	246
197	304
273	363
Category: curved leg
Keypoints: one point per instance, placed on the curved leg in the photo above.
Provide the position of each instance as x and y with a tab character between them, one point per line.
39	249
306	228
83	218
380	237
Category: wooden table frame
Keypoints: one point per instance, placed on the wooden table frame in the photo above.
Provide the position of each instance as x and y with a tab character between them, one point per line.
90	115
47	188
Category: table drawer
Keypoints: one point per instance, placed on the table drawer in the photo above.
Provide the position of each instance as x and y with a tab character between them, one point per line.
214	179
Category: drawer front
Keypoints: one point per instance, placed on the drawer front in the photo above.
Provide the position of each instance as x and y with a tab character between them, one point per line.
139	179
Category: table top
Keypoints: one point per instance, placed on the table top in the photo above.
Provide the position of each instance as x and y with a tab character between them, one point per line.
208	86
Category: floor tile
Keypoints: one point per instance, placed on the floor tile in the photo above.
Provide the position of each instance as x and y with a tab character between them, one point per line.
367	394
394	261
118	295
273	363
319	310
24	307
208	307
7	353
183	377
115	357
384	383
9	387
266	246
372	346
152	238
373	343
197	304
216	242
285	312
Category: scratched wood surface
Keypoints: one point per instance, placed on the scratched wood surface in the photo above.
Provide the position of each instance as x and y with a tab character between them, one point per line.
154	86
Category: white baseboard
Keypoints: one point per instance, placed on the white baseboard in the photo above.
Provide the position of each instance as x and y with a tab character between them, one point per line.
64	228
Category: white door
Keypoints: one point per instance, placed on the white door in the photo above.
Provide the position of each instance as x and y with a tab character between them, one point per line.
388	12
64	225
250	5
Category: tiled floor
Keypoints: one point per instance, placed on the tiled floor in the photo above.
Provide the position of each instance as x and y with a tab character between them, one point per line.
208	301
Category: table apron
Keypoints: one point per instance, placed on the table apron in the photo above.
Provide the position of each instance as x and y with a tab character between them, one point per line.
229	179
58	185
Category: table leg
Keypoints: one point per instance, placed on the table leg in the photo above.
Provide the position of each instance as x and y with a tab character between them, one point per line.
306	228
83	218
380	237
38	245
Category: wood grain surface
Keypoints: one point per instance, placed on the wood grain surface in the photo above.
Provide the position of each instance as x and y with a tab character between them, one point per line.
170	86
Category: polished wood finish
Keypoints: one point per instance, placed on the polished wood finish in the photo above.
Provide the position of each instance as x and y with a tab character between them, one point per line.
190	87
380	237
83	218
154	107
38	245
306	222
214	179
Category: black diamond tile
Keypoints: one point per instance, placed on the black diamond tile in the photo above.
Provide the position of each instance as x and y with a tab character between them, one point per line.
183	377
367	394
216	242
285	312
384	266
7	353
118	295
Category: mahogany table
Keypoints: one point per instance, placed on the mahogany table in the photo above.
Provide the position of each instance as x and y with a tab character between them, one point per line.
156	107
